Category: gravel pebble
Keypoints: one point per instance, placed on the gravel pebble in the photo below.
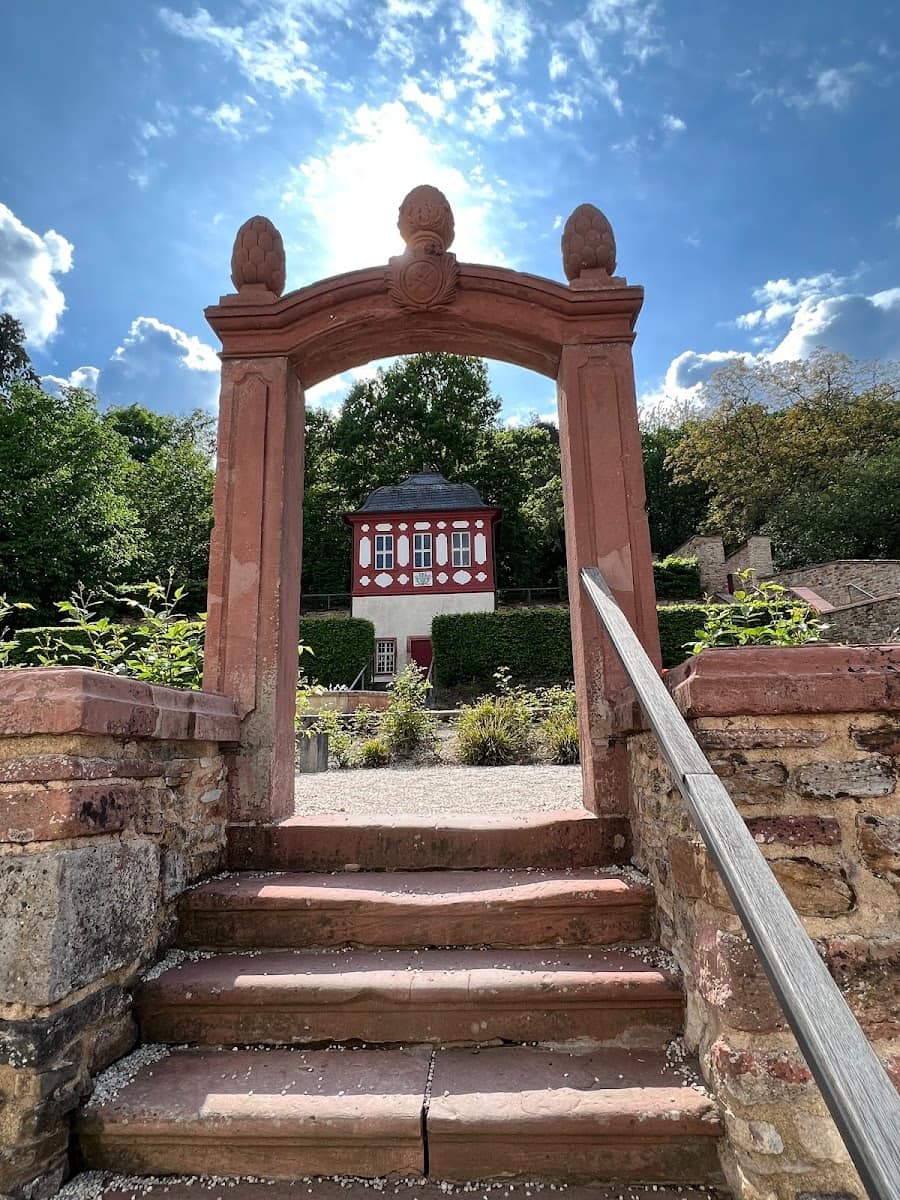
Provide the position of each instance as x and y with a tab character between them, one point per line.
438	791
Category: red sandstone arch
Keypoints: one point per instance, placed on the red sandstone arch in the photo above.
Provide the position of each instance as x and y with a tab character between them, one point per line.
273	346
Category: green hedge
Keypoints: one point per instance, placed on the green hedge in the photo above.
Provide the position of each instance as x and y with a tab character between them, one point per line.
677	579
341	647
535	643
677	624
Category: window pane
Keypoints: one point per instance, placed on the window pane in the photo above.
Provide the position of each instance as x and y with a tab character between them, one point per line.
422	551
385	657
384	552
462	556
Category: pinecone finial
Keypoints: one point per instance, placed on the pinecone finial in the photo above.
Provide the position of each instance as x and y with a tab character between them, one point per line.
257	261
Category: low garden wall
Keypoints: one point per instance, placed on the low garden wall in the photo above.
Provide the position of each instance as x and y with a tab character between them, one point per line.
111	804
807	742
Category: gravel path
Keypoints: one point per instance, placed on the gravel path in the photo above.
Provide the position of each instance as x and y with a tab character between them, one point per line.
430	791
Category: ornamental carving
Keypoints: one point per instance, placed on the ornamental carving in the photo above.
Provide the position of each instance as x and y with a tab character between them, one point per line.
588	244
425	276
257	261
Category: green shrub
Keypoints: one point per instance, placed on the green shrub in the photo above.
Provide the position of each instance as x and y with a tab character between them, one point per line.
677	579
161	646
535	643
374	753
495	731
763	614
340	648
558	730
678	626
406	725
9	642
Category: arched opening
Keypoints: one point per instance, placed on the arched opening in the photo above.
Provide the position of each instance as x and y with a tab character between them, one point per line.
579	334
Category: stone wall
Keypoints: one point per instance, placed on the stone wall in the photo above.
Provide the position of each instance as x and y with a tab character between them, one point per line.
807	742
710	554
111	804
869	622
753	555
831	580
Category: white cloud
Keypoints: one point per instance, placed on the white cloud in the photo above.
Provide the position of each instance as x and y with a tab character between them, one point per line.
349	195
159	366
635	21
29	266
781	298
499	30
330	392
833	87
487	109
559	64
271	49
866	327
226	117
81	377
430	102
673	124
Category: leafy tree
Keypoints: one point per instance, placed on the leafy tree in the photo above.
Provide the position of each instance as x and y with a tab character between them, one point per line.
326	539
65	515
431	410
780	431
15	363
147	431
675	510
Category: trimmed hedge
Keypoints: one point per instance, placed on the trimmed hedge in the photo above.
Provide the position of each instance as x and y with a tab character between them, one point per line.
677	579
535	643
677	624
341	647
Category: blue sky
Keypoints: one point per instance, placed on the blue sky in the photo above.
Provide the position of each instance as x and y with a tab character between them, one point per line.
746	154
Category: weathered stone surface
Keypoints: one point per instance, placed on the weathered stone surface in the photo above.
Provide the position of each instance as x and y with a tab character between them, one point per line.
795	831
40	768
879	841
884	740
36	812
761	738
730	978
856	779
754	782
69	917
38	1041
814	890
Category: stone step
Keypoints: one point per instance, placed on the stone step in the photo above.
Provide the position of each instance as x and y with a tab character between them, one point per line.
97	1185
269	1113
564	838
416	909
609	1116
602	1117
389	996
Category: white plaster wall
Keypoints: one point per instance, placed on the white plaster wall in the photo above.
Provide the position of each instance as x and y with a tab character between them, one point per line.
402	617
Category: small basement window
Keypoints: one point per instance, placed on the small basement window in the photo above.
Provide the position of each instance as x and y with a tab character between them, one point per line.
462	550
385	656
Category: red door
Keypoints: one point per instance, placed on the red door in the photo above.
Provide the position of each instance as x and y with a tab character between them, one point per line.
421	652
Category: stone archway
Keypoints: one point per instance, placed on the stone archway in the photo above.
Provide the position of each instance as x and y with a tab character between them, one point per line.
275	345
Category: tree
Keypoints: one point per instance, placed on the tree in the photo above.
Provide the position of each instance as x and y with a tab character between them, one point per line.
780	431
147	431
675	510
65	516
430	410
15	363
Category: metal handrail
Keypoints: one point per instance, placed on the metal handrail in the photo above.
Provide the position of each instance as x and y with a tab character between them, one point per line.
856	587
854	1084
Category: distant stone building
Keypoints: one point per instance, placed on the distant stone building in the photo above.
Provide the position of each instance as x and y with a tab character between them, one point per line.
420	548
718	571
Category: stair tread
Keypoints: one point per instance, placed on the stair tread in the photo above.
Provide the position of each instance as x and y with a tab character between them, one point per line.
283	976
537	818
558	1091
117	1187
261	977
364	888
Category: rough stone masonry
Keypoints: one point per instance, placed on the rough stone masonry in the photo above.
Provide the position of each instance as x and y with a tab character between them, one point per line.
111	804
807	742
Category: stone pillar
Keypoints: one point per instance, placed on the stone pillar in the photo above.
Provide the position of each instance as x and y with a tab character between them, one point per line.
606	527
254	578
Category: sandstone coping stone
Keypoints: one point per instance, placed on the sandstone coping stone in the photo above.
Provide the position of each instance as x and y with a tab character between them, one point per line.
68	917
766	680
56	700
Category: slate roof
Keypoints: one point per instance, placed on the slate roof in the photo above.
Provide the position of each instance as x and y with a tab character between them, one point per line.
428	491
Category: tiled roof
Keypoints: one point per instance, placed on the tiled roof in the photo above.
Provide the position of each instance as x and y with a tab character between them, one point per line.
428	491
